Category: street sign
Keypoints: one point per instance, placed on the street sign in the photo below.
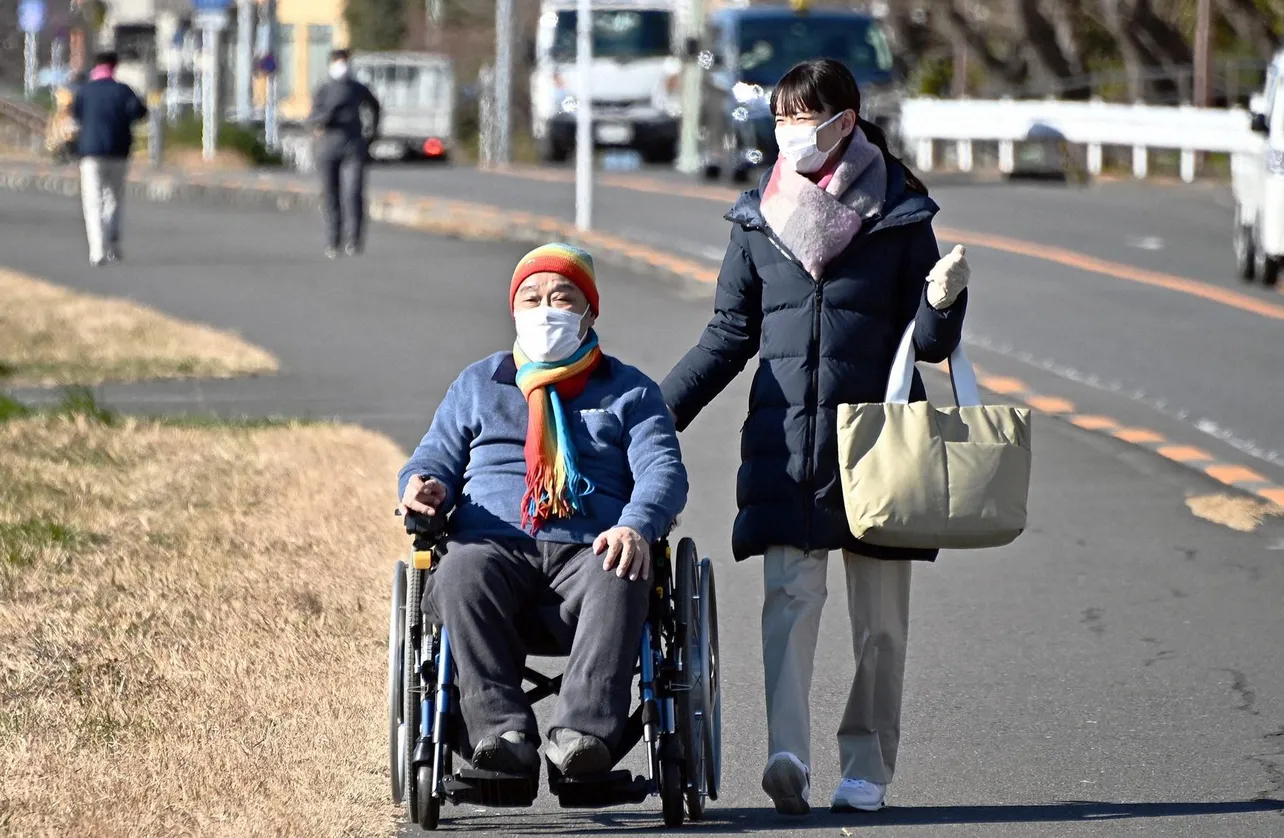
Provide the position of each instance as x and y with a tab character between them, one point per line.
31	16
210	14
211	20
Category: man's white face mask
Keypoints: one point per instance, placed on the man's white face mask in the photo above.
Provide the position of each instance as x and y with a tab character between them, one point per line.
548	334
338	70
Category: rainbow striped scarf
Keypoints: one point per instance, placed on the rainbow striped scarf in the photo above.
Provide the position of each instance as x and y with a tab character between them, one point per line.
555	488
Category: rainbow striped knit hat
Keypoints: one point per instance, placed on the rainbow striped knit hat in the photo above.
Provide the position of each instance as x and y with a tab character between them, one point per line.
559	258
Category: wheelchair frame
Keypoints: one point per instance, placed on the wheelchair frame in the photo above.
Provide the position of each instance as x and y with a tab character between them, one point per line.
678	717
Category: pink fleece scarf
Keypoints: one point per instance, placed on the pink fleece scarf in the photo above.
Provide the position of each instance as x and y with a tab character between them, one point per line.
816	222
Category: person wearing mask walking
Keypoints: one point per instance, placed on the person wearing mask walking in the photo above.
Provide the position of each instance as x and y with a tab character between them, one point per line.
830	260
345	118
106	111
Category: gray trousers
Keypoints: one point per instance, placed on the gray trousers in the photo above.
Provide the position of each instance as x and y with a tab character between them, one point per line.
878	597
496	597
102	194
343	196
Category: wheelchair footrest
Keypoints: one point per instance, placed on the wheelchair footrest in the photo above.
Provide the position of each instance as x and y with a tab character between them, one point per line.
492	789
616	788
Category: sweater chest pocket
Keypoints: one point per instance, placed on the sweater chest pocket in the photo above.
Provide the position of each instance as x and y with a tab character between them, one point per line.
597	431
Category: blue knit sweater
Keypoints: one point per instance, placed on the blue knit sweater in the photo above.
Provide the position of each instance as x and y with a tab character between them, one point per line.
624	439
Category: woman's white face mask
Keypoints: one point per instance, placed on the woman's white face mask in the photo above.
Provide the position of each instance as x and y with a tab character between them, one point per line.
798	146
549	334
338	70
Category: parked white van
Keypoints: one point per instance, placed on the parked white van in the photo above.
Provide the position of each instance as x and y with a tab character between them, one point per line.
1258	182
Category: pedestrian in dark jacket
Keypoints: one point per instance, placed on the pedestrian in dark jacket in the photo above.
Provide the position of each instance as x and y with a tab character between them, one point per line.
830	260
345	117
106	111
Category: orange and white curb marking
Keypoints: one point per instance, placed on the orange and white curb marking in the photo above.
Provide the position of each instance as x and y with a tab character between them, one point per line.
1229	474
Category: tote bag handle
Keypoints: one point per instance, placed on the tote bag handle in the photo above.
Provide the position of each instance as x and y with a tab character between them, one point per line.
962	376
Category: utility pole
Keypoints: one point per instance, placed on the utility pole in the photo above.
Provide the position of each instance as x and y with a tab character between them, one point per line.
271	114
1203	46
245	13
432	23
692	84
584	116
503	81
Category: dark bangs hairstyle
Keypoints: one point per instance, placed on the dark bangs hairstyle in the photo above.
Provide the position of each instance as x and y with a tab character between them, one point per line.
827	85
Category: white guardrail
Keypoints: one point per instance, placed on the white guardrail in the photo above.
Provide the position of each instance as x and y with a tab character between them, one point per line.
925	122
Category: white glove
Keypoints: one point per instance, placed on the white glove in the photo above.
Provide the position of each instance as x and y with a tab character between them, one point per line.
948	278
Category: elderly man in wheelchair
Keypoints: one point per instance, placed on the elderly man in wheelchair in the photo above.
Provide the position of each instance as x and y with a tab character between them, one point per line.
558	466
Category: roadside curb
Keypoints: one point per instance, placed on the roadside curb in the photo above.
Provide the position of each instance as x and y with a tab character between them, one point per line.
439	216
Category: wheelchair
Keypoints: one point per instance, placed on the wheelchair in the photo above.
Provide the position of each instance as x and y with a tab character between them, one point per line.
678	717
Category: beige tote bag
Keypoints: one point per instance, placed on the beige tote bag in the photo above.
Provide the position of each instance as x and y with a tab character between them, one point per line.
918	476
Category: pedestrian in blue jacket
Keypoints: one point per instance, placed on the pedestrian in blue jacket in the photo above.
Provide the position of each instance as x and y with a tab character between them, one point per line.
106	111
830	260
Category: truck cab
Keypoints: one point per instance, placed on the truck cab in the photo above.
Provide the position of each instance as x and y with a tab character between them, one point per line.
748	49
635	75
1258	182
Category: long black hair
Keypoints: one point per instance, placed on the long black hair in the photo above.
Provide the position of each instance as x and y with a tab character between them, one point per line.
827	85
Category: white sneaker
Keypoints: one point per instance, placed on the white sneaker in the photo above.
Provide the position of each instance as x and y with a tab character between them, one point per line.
787	781
858	796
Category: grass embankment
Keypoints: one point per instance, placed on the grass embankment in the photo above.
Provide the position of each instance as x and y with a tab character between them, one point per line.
192	624
52	335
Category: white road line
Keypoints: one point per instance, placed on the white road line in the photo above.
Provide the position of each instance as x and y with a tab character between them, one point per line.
1208	427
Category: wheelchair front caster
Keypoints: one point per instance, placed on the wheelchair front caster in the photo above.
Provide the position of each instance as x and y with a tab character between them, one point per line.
427	805
672	792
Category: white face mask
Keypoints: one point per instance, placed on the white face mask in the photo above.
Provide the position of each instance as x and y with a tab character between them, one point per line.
338	70
548	334
798	147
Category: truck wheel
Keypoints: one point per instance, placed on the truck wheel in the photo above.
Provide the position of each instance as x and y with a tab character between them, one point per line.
1245	256
551	152
1271	271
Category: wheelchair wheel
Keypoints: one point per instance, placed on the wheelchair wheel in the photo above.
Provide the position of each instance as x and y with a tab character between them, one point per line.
396	702
692	701
427	805
713	716
671	792
411	693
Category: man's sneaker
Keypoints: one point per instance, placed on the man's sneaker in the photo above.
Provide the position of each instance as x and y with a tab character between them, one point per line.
858	796
332	253
353	249
788	783
509	753
577	754
114	254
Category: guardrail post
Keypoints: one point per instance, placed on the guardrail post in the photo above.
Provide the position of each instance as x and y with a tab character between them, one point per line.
1007	156
1094	159
1140	161
926	153
964	153
1188	165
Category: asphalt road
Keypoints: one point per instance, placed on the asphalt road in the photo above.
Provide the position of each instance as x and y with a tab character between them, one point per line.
1118	670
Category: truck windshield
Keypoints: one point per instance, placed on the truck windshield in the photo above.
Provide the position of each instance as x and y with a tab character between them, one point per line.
618	34
769	47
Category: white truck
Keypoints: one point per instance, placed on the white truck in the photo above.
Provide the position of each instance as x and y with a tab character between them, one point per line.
1258	183
416	93
635	78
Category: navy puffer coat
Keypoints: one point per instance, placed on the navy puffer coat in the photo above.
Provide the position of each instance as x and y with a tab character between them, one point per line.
819	344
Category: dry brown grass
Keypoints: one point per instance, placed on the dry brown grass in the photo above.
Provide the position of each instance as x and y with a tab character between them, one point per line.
192	629
51	335
1238	513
